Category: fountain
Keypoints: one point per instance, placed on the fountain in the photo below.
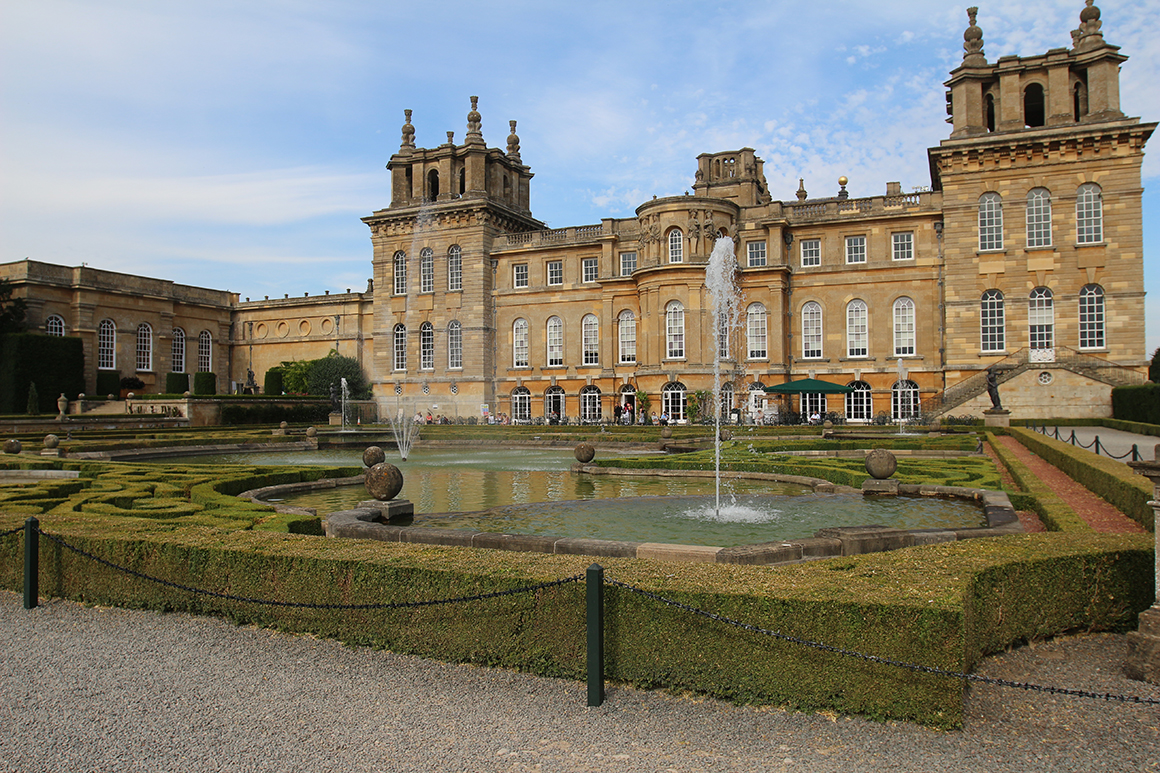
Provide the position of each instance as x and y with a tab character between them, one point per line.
405	431
720	279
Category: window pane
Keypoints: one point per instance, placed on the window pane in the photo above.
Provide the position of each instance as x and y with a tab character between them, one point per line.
144	347
591	340
812	252
757	332
675	330
627	336
990	222
520	344
426	271
454	345
454	269
756	254
1089	214
855	249
627	263
1091	317
811	331
903	327
857	329
1038	218
903	246
676	246
992	322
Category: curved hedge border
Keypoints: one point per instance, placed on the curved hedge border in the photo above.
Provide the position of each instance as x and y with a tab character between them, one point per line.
943	605
1107	478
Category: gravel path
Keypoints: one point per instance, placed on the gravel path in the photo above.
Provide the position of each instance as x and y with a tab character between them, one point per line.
1096	512
101	689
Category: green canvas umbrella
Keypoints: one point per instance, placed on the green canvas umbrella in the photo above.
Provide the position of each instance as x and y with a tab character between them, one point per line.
810	385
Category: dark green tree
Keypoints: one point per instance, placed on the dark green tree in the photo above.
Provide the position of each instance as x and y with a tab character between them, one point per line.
330	370
1154	368
12	310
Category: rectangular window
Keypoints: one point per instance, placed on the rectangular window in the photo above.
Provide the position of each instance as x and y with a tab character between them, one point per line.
555	272
756	254
520	275
903	246
627	263
811	252
855	249
591	267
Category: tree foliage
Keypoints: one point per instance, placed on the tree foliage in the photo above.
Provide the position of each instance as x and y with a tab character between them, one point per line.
1154	367
315	377
12	310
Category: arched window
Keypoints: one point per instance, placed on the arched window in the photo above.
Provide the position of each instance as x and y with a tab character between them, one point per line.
1079	101
400	362
859	405
426	346
107	345
813	406
1089	214
454	269
757	399
1038	218
555	341
992	322
811	330
673	400
723	337
454	344
520	344
857	328
676	246
989	107
590	404
204	352
725	405
145	347
627	323
756	332
54	325
590	338
904	327
1091	317
177	353
433	185
554	402
674	330
903	400
400	265
521	404
990	222
426	270
1041	324
1034	112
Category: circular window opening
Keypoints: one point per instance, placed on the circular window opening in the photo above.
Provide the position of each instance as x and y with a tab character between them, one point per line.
398	389
1046	378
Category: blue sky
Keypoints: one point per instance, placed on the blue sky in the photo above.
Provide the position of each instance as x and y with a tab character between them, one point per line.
236	145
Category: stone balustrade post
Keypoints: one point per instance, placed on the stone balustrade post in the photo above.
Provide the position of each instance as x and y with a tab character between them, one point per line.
1143	661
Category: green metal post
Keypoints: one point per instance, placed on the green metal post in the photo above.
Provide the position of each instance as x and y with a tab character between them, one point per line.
31	563
594	579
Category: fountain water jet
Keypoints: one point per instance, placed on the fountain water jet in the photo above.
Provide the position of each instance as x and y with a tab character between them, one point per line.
405	431
720	278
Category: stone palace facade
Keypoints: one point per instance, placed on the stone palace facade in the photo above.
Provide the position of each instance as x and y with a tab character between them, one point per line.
1025	254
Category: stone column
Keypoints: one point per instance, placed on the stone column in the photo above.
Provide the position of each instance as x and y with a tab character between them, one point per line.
1143	661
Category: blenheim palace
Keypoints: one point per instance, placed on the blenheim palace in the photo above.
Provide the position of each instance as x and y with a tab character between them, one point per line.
1025	254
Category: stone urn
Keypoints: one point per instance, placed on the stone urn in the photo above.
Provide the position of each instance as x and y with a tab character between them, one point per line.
61	406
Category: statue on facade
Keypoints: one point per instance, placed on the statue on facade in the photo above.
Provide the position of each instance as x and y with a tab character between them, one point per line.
335	403
993	389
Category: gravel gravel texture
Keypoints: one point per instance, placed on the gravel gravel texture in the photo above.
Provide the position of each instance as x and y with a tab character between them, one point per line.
102	689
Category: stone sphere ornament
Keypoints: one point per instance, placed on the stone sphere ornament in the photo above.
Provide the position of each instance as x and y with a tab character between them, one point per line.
51	441
12	446
283	425
311	432
373	455
881	464
585	453
384	481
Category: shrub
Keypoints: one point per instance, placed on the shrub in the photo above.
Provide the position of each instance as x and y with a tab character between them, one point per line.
55	363
176	383
272	383
33	407
131	383
262	412
1139	402
205	383
108	382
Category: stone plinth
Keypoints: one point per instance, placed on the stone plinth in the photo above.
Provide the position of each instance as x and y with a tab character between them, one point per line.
335	419
1143	661
997	417
396	511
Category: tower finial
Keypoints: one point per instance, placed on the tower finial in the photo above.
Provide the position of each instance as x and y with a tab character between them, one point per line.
513	143
1089	27
408	133
801	191
474	121
973	42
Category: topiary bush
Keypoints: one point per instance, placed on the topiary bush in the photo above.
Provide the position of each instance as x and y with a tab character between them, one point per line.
205	383
176	383
272	383
1139	402
108	382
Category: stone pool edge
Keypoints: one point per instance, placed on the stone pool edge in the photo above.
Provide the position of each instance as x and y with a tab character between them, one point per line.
371	522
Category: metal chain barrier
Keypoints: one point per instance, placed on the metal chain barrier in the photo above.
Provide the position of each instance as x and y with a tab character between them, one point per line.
307	605
1134	452
10	532
882	660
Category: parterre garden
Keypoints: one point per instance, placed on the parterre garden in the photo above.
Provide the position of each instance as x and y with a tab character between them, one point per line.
943	605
